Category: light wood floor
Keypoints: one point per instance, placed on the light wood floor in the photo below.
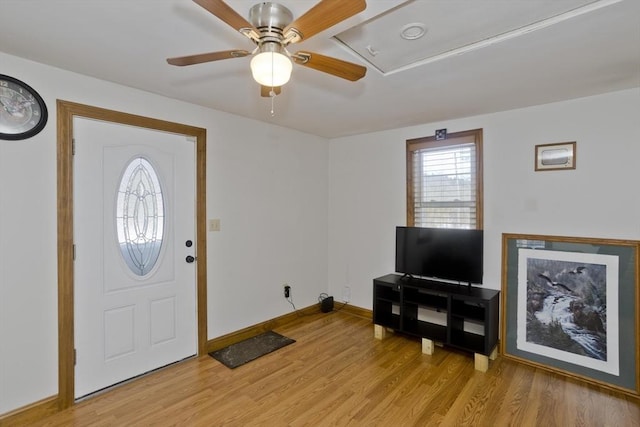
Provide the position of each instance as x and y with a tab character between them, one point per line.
338	374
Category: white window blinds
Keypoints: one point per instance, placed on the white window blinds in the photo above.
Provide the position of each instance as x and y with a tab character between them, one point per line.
443	184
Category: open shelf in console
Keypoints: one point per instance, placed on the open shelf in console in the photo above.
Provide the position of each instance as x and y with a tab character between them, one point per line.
387	314
389	321
388	293
425	298
468	341
469	309
423	329
386	306
424	321
469	335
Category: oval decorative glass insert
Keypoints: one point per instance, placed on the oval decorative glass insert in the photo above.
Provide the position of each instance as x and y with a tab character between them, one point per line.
140	216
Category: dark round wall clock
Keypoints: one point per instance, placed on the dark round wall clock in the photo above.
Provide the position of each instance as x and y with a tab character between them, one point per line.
23	112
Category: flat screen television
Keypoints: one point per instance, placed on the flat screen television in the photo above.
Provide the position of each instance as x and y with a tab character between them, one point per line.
442	253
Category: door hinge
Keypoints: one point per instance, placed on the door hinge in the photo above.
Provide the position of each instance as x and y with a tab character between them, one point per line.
73	146
74	252
75	357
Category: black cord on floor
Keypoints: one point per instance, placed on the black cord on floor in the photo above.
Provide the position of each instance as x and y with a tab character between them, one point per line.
298	312
341	307
290	300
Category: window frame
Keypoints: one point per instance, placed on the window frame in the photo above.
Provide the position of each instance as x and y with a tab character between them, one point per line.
465	137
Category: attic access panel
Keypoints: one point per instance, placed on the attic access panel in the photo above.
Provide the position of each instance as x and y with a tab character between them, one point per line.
392	41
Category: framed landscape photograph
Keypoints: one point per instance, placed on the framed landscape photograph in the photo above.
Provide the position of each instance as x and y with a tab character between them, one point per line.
556	156
570	305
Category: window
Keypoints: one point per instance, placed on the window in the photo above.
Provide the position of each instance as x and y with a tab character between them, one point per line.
444	181
140	216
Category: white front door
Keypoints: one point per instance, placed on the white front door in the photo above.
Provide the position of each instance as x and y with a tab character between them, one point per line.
134	236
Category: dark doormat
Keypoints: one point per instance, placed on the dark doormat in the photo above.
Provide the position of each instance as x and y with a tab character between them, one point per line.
250	349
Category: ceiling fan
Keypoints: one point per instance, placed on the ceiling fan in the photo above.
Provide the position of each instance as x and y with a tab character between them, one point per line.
272	28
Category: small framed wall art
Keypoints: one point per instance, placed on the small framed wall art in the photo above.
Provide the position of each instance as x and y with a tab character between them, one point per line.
556	156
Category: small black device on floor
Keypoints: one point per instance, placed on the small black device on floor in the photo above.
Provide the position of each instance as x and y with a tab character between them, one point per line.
326	304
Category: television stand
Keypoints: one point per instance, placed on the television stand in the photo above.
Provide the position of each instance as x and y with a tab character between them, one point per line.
439	313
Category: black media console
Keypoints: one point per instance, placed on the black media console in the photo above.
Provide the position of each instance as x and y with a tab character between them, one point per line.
458	316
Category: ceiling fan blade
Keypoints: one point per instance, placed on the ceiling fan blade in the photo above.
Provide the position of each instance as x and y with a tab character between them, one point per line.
323	15
207	57
223	11
333	66
265	91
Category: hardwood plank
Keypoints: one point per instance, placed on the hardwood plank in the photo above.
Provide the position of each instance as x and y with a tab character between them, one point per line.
517	379
338	374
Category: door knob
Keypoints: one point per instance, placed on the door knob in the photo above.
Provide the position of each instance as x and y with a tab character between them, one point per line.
189	259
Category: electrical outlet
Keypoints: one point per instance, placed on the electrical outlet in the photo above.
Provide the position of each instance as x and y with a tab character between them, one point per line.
287	290
214	224
346	294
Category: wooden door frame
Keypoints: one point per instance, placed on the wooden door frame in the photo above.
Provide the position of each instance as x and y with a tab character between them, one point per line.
66	111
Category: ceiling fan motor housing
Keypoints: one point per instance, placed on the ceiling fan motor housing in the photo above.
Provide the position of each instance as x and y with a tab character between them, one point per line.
270	19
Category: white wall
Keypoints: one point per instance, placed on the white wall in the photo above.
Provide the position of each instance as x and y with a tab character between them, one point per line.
269	188
367	192
267	185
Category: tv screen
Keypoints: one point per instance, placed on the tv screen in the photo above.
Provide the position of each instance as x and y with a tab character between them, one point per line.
443	253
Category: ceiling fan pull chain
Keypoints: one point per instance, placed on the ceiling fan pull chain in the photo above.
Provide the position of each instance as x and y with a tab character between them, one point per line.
273	97
272	93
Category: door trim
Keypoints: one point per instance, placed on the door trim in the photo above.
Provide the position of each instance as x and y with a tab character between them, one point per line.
66	111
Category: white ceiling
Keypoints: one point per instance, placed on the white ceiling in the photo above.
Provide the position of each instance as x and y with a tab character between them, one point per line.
127	42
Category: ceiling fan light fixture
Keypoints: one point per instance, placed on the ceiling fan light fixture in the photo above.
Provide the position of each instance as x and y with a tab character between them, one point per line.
271	69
